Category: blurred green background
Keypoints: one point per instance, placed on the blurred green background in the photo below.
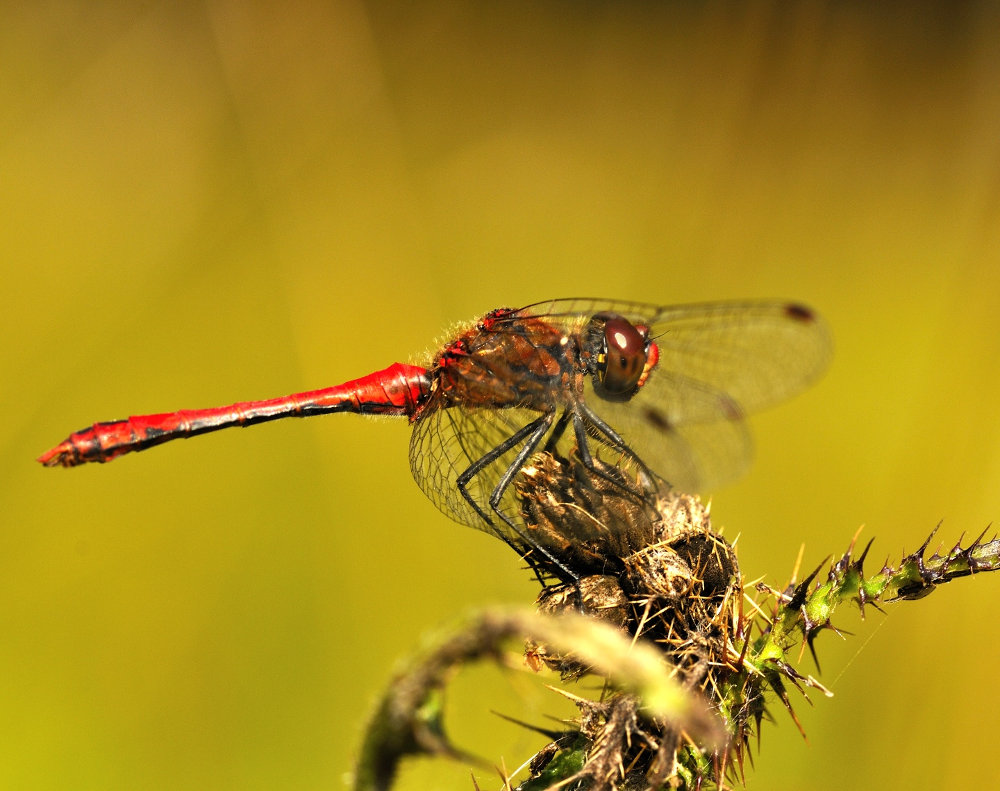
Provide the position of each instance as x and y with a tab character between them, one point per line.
210	202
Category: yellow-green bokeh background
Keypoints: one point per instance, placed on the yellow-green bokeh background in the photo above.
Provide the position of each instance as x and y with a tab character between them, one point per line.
225	201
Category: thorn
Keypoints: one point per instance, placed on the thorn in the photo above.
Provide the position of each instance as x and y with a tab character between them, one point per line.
923	547
782	694
552	735
979	538
812	682
802	589
810	639
797	565
860	562
743	653
504	776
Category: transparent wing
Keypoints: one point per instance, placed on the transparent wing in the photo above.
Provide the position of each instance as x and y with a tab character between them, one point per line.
447	441
717	363
756	353
690	455
578	310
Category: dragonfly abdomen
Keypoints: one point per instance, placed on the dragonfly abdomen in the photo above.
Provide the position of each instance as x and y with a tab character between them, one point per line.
396	390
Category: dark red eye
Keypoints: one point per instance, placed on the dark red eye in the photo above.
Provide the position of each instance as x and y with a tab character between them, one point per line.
621	361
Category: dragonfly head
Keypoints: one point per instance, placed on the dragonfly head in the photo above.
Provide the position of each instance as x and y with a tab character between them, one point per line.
622	356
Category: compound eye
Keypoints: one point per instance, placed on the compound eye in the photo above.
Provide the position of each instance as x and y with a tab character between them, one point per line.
620	367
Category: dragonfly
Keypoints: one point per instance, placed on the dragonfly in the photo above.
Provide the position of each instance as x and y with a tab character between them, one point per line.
661	390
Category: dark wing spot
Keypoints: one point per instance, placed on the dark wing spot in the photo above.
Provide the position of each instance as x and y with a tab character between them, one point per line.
799	313
660	421
730	409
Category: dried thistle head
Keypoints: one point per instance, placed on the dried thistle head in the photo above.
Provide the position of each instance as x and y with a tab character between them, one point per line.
649	598
648	563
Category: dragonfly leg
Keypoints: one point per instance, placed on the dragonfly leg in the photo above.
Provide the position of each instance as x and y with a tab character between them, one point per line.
610	438
540	424
558	431
528	437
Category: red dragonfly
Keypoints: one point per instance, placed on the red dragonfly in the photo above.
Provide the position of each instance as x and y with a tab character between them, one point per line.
663	389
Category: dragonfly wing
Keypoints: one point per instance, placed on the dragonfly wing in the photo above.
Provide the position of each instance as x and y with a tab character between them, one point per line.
717	363
690	456
756	353
446	441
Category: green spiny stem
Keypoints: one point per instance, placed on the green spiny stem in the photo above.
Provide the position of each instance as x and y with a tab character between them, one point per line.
805	610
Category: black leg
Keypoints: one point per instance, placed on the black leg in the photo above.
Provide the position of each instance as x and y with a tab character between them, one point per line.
558	431
609	438
542	422
528	436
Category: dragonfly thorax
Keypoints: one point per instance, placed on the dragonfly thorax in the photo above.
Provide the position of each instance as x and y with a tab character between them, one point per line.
499	363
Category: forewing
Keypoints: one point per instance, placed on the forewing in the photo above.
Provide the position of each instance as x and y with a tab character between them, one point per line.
756	353
573	314
717	362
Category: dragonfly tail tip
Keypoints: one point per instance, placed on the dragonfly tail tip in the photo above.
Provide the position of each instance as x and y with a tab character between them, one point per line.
59	456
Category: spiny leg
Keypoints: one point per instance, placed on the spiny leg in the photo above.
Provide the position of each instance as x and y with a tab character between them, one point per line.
530	435
558	431
462	481
608	437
